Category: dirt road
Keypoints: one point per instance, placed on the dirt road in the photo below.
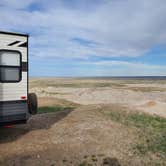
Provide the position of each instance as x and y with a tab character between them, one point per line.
70	137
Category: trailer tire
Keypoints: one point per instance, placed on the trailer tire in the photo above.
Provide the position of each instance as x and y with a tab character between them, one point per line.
32	103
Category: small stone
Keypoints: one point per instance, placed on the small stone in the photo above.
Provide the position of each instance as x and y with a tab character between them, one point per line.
64	160
38	156
100	155
94	159
110	161
85	156
52	165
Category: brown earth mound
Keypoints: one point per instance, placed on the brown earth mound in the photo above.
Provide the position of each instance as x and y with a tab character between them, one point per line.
150	104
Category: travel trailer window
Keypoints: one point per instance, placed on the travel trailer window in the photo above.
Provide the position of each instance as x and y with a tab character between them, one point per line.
10	66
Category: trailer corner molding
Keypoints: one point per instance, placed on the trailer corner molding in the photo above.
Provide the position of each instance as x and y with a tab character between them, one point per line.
16	104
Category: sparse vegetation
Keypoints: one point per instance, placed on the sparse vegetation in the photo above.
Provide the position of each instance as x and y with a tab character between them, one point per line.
77	85
95	83
146	89
152	130
52	93
84	163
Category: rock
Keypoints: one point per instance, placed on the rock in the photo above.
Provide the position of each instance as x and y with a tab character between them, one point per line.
108	161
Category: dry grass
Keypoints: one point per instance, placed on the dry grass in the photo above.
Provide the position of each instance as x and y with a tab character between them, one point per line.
151	130
50	101
146	89
98	83
75	84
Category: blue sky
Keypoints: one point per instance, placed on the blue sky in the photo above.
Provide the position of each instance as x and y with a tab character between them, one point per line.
90	37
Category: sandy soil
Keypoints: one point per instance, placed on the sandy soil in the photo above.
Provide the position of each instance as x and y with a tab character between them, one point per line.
69	138
113	92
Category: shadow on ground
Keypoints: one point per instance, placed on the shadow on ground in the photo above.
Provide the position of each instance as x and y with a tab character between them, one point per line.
37	122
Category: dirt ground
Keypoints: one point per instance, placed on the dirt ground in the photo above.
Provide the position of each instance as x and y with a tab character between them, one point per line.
81	135
136	94
69	138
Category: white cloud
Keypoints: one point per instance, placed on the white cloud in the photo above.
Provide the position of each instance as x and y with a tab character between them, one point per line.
120	28
124	68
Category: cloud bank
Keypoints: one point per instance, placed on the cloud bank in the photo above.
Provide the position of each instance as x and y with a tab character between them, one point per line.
87	29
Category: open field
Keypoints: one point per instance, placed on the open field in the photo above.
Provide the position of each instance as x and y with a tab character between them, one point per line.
144	95
91	122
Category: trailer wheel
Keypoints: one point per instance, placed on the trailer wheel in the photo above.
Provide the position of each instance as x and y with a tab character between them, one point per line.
32	103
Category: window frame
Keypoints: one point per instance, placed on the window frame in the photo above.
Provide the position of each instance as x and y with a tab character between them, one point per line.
10	66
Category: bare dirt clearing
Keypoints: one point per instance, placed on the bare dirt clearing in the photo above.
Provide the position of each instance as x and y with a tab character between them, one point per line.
71	137
132	93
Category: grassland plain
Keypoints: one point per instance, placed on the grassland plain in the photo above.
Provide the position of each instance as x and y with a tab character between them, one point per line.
138	94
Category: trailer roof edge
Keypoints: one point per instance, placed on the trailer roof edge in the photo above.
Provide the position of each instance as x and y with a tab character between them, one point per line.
14	33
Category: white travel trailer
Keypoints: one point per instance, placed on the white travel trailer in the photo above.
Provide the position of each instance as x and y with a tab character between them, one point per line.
16	105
